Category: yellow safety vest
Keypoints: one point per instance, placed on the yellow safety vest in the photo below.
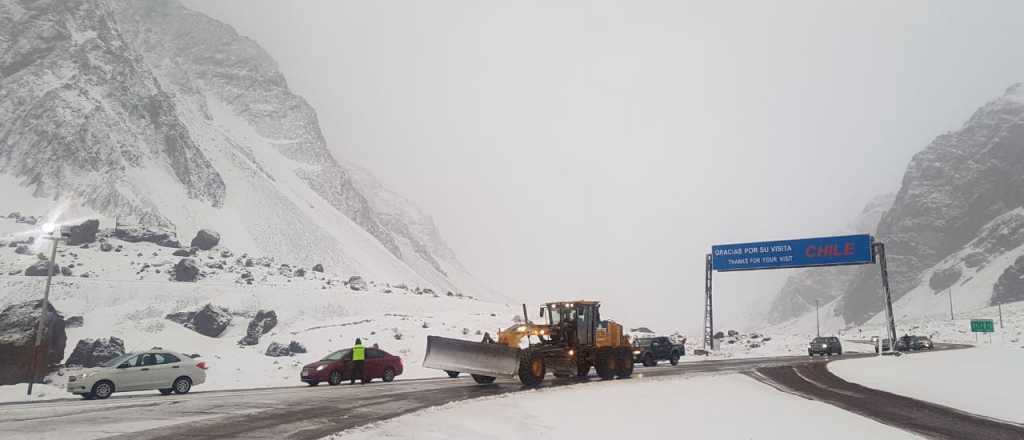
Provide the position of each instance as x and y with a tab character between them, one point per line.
358	353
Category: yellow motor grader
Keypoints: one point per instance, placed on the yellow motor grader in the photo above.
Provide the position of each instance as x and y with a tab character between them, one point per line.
573	339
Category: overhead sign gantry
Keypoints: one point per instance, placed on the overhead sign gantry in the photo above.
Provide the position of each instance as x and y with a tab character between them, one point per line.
786	254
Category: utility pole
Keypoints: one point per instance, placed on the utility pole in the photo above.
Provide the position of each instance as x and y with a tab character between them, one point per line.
950	291
817	317
709	316
1000	316
49	229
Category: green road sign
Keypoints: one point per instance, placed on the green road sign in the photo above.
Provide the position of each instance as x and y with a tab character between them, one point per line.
982	326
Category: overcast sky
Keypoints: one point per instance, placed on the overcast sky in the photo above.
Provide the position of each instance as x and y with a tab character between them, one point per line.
598	149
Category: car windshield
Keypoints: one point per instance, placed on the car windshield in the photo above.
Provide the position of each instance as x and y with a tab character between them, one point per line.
336	355
118	360
820	340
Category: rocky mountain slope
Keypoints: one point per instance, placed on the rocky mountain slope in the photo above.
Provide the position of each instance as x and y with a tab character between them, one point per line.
150	113
802	289
954	228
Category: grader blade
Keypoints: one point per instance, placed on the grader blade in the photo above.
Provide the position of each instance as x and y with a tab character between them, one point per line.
471	357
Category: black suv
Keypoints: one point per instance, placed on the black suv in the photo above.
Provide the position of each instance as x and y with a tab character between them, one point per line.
825	345
651	350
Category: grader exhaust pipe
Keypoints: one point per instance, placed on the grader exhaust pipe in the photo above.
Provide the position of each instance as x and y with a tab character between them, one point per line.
471	357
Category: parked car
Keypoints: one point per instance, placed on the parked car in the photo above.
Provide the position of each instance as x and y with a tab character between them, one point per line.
337	367
920	343
651	350
825	345
156	369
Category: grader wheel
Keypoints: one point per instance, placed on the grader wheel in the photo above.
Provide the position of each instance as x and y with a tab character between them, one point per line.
606	364
532	369
624	363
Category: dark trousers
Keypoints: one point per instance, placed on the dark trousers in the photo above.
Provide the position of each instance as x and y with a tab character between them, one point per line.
357	371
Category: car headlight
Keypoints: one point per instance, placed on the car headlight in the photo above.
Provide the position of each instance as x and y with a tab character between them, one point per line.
321	368
636	351
824	345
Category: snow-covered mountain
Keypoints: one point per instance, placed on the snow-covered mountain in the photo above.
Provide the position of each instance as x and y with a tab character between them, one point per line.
148	112
955	228
802	289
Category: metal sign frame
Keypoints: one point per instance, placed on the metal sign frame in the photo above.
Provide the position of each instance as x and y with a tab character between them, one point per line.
877	255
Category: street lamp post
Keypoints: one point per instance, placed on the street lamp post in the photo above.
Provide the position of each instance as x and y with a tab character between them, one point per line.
817	317
49	229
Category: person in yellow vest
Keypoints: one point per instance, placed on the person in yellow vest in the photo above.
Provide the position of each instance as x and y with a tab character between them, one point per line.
358	356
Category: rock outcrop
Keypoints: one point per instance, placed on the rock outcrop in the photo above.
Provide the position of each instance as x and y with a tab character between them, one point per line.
261	324
206	239
209	321
84	232
90	353
18	324
186	270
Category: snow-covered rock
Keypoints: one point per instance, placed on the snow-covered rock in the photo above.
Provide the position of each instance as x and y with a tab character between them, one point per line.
206	239
263	322
41	268
89	353
186	270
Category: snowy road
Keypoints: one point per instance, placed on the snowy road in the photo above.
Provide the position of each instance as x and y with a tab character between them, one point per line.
815	381
297	412
293	412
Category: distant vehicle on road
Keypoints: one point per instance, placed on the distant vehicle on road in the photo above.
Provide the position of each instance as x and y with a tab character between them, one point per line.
904	343
651	350
156	369
337	367
920	343
825	346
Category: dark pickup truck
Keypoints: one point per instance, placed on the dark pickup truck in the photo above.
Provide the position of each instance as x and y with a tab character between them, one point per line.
651	350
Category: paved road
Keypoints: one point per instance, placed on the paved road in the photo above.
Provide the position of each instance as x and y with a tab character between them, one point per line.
310	413
284	413
815	382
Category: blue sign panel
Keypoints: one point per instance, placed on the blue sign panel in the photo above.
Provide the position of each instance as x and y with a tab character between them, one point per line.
824	251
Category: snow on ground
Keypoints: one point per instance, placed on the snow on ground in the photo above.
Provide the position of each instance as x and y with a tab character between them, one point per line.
128	293
984	380
720	407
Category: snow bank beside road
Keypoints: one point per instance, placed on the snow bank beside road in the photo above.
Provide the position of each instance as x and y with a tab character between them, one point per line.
984	381
719	407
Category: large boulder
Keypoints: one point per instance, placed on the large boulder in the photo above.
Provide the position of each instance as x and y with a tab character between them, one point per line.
296	347
74	322
943	279
186	270
135	234
84	232
206	239
210	321
277	350
18	324
263	322
357	283
21	249
318	267
90	353
1010	286
41	269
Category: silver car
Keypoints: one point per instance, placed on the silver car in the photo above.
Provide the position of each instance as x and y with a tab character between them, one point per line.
156	369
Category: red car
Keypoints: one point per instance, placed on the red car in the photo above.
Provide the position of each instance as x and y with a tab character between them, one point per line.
337	367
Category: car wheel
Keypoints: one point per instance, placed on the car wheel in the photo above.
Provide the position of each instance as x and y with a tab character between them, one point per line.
452	374
649	360
674	360
334	378
102	389
166	391
182	385
389	375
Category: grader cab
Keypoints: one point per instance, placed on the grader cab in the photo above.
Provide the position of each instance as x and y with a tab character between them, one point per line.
570	341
